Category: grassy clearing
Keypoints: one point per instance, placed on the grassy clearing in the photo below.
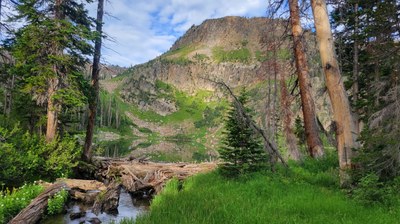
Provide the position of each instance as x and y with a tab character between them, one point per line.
306	193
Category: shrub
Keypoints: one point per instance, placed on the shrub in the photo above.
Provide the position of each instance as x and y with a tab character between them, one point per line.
12	202
29	157
380	153
369	190
56	203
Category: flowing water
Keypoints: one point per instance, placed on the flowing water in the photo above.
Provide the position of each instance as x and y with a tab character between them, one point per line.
128	208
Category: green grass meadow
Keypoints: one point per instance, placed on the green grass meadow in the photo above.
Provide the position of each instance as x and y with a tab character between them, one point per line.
306	193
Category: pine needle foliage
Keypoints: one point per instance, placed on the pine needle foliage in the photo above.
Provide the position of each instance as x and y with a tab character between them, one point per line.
242	151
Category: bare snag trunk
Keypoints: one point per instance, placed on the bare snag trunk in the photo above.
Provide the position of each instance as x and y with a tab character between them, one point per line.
346	132
87	154
294	152
314	143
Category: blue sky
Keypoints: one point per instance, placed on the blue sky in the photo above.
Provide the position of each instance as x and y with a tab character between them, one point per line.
140	30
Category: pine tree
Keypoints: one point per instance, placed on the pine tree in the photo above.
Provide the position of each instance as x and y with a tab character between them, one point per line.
50	51
371	31
242	151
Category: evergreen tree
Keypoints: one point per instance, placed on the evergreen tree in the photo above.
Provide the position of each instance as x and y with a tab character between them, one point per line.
242	151
370	30
50	51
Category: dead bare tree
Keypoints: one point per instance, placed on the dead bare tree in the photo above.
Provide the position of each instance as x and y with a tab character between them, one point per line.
346	131
95	82
314	143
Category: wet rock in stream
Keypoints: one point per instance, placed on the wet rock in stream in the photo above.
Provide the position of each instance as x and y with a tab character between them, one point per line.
77	215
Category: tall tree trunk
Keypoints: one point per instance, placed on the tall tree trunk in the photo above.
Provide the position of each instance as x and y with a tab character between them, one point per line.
356	69
294	152
314	143
276	70
101	112
346	133
87	154
53	109
109	112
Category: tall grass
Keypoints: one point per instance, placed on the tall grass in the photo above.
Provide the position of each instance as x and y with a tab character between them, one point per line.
305	194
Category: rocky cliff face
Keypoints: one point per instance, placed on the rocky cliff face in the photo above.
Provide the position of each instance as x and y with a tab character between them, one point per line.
228	49
187	105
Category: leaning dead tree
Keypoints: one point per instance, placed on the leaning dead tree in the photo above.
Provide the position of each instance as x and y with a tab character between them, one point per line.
269	146
314	143
346	131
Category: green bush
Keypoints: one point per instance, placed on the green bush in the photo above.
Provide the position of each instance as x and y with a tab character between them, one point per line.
12	202
210	117
30	158
56	203
369	190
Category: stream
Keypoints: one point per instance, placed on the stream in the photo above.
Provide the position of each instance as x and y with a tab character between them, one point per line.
128	207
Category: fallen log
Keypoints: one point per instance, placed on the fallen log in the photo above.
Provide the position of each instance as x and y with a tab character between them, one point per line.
83	185
139	176
34	211
109	200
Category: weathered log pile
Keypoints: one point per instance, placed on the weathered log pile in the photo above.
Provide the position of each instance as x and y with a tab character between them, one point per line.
132	174
138	175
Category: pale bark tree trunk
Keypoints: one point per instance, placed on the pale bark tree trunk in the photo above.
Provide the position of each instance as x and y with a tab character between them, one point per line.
314	143
53	109
9	87
95	83
346	132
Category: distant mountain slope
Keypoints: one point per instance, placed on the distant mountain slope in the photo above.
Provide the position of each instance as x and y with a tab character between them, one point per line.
172	90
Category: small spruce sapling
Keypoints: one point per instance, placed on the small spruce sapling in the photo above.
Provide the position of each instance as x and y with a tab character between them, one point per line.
242	151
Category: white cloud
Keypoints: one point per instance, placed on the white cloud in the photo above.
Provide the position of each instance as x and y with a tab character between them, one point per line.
144	29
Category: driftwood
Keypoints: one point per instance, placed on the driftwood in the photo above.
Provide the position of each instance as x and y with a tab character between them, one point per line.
83	185
134	175
138	176
34	211
108	200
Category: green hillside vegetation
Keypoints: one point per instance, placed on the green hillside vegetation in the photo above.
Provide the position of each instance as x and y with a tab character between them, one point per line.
242	55
282	54
179	56
191	108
